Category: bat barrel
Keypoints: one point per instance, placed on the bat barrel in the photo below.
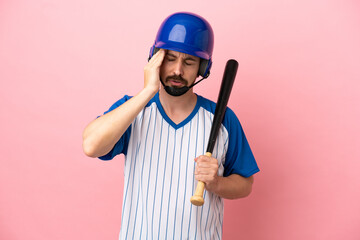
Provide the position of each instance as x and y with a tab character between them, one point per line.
223	98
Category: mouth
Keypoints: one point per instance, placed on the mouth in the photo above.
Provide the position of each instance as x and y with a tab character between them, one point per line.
176	81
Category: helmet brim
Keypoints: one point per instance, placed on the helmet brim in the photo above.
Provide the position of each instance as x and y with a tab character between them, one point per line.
184	48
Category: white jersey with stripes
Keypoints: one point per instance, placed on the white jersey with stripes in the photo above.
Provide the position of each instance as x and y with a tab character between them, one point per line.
159	171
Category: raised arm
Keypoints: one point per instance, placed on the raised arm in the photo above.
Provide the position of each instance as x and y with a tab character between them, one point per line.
100	136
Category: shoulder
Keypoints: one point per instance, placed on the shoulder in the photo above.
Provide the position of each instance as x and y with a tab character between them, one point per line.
119	102
124	99
207	104
229	117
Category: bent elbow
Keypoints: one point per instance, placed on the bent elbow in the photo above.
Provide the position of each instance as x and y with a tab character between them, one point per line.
89	149
241	194
246	189
247	192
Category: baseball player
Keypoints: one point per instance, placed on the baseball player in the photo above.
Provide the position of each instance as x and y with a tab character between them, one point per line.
163	132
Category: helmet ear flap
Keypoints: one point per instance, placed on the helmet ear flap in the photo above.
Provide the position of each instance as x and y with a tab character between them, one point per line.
204	68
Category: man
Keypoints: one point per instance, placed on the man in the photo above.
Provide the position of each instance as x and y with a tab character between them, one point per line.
163	133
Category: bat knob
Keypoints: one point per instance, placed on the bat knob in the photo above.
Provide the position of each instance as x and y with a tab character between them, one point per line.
197	200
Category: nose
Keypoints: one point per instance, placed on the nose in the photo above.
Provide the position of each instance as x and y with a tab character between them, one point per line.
178	68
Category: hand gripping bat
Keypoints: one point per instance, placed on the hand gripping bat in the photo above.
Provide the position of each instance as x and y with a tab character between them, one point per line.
224	94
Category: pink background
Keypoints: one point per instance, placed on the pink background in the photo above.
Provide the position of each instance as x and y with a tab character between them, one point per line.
62	63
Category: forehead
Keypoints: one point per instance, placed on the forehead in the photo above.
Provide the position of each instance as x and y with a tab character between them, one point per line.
181	55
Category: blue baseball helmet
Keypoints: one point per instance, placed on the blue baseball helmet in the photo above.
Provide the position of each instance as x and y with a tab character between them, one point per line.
187	33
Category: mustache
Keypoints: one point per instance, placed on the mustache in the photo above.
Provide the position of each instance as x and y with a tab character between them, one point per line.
177	78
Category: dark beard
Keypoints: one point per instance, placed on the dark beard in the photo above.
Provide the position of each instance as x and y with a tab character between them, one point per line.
178	91
175	91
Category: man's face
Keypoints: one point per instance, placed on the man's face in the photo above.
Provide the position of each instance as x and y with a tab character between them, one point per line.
179	69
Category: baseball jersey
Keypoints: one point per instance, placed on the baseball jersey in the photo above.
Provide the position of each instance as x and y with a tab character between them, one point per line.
159	171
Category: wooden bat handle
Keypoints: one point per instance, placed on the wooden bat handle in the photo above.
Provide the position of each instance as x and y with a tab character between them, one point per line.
198	198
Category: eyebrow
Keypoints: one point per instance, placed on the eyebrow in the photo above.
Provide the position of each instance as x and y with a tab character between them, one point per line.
188	58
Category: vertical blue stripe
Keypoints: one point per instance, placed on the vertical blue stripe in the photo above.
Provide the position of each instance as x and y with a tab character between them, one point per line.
207	217
142	170
162	191
225	148
227	138
127	229
218	156
141	115
187	164
155	188
223	156
147	191
204	149
202	209
193	182
178	183
127	185
218	218
171	177
212	220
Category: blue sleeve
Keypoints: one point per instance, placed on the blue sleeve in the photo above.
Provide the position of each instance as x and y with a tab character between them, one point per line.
239	157
122	144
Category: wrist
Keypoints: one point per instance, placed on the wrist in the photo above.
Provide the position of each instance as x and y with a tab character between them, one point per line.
149	91
215	185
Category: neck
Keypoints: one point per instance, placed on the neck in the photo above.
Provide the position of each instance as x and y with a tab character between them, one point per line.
178	108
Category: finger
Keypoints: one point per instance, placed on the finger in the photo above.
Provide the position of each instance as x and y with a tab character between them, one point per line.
158	57
209	171
206	174
206	165
204	178
204	158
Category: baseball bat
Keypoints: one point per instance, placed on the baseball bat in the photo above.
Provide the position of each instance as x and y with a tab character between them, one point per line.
224	94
